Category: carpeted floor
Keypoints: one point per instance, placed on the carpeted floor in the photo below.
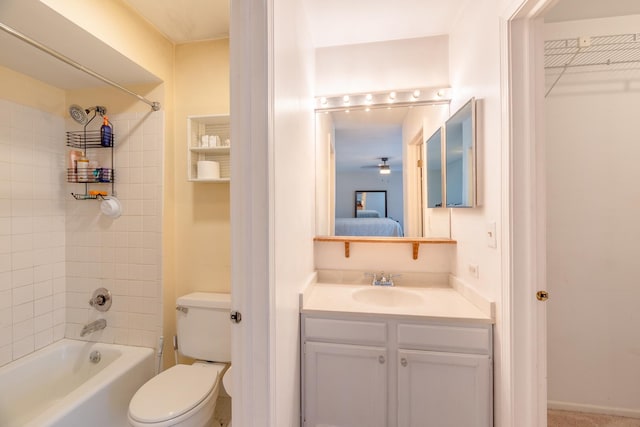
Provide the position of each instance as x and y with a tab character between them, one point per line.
557	418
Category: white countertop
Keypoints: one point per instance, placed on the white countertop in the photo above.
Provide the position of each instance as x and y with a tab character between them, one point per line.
437	302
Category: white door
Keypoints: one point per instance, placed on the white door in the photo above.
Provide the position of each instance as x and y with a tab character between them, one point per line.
444	389
344	385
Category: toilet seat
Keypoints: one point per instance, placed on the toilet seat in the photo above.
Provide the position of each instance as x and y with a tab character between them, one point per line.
175	394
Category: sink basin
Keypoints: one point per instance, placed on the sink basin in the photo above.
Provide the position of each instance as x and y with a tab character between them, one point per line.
387	297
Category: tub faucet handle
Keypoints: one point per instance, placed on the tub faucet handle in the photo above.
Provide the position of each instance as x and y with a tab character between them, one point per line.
101	299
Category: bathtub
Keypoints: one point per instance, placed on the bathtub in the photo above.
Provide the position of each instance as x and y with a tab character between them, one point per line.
58	386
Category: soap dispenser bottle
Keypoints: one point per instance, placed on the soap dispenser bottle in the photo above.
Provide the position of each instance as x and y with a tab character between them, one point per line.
106	135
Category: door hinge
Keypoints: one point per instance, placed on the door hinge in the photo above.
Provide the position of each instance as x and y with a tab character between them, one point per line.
419	163
235	316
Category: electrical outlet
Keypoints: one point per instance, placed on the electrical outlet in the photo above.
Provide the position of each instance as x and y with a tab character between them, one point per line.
474	270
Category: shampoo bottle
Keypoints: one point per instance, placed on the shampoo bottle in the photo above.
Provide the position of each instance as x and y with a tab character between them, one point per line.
84	173
106	136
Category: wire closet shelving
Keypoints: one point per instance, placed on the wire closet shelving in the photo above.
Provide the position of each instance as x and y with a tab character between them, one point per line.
615	52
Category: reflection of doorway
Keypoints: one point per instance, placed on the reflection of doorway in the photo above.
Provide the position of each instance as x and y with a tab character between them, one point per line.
415	185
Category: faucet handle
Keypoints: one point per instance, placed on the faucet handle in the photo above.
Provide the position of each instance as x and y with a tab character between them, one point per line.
101	299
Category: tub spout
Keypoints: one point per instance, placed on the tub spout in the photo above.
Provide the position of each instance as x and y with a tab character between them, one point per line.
93	326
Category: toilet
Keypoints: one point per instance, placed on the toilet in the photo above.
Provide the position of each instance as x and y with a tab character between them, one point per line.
185	395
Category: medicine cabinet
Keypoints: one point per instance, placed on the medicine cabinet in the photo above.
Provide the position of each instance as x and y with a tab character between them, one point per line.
451	161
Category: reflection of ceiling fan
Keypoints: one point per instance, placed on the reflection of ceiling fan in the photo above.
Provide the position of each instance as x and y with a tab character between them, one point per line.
383	167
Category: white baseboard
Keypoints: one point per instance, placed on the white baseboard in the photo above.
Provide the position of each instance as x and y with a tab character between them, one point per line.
604	410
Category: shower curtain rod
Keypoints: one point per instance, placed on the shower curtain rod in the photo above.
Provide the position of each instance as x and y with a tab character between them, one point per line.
155	106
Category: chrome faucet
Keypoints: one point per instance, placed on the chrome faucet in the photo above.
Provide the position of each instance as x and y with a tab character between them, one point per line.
382	279
96	325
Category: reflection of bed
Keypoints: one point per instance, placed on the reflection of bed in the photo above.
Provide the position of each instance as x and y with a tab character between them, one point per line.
367	213
368	227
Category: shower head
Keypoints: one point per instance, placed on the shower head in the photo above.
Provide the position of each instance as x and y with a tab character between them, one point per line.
80	114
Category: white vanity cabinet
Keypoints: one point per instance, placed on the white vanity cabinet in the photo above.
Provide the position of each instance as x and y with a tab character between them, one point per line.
396	373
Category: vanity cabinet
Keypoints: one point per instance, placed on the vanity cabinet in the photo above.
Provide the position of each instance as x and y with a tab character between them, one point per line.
346	384
395	372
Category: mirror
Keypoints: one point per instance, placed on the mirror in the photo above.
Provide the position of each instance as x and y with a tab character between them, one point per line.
370	204
460	163
435	183
353	146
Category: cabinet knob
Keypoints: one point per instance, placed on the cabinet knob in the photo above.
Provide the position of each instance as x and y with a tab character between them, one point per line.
381	359
404	362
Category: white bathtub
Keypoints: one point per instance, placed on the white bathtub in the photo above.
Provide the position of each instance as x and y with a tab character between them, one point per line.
59	386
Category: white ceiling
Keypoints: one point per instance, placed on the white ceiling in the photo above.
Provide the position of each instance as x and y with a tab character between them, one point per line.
186	20
331	22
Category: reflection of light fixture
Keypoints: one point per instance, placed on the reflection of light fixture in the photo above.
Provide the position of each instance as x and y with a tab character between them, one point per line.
345	99
384	168
368	99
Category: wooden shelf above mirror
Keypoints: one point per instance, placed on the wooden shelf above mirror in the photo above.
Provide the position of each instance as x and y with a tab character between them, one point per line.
414	242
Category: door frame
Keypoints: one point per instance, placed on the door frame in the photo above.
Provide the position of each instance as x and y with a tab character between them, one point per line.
524	349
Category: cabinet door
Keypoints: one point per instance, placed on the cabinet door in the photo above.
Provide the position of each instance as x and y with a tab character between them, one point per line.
444	389
344	385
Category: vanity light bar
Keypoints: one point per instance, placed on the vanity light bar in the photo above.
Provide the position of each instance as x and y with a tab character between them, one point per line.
381	99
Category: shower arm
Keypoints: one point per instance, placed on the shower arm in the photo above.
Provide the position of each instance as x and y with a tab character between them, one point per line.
155	106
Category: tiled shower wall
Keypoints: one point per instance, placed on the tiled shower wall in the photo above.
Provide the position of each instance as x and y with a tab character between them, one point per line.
123	254
55	250
32	230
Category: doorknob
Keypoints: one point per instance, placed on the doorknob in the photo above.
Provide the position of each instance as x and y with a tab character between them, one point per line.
542	295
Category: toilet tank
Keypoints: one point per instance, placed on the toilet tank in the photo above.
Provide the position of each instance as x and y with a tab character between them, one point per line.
204	328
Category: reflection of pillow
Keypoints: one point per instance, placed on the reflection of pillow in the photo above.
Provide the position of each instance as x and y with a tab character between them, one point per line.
367	213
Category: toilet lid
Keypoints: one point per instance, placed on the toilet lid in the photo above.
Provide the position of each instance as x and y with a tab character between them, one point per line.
173	392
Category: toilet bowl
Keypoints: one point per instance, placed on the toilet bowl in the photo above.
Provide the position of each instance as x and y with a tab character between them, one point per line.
227	381
184	396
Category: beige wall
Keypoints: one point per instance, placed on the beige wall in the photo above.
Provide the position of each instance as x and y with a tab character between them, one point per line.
202	230
201	249
24	90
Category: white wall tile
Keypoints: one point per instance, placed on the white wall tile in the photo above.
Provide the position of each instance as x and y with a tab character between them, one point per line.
5	281
22	347
43	306
21	313
42	322
5	354
43	338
